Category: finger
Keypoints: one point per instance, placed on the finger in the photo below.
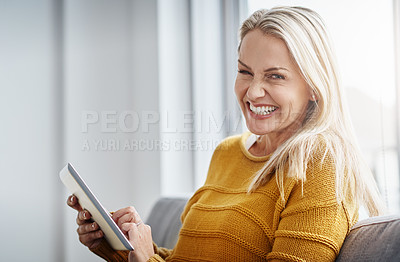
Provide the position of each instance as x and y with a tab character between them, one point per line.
118	214
143	229
132	231
132	256
128	217
87	228
147	229
73	202
83	217
86	239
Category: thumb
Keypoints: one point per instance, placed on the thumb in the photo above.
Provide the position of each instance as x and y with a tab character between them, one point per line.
131	230
131	257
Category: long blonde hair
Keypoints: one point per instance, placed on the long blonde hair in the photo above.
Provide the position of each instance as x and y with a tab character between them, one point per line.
308	42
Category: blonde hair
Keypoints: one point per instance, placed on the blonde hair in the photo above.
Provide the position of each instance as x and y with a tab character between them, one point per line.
308	42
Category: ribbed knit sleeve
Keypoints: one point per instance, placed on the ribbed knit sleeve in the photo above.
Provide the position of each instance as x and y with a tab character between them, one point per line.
313	223
156	258
160	253
105	251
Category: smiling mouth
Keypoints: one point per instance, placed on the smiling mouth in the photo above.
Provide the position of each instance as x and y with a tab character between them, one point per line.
262	110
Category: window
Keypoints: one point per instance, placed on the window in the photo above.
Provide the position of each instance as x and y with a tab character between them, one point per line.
365	53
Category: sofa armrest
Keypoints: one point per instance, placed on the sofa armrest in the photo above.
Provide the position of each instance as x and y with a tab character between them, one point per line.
373	239
165	221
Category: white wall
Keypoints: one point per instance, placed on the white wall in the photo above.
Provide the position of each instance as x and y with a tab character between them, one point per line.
29	140
90	82
110	69
60	60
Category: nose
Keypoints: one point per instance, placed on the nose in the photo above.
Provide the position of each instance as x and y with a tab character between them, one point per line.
256	90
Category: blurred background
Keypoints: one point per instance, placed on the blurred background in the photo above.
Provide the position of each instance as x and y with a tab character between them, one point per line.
136	94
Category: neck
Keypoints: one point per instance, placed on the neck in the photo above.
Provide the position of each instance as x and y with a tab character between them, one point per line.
267	144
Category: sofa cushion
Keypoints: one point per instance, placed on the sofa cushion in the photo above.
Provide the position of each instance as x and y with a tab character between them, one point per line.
165	221
373	239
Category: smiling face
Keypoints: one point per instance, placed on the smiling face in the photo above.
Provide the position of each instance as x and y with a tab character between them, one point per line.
270	90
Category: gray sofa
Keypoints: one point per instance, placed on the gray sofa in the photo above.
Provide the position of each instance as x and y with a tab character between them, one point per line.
372	239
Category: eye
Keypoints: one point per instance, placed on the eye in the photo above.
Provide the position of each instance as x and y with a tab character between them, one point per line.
244	72
277	76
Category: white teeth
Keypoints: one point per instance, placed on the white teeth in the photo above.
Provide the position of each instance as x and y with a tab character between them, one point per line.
263	110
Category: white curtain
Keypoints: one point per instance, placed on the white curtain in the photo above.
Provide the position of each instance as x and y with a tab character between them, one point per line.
198	42
104	85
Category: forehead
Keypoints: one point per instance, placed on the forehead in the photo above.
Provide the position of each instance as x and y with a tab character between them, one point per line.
260	49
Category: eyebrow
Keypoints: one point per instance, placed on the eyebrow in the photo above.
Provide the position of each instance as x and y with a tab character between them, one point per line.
266	70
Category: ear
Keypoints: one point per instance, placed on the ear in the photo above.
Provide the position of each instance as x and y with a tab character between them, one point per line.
313	97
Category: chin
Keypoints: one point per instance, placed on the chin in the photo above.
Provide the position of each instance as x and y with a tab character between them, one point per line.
257	130
259	133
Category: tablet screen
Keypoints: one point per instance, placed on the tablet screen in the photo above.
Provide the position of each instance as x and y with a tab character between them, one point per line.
88	201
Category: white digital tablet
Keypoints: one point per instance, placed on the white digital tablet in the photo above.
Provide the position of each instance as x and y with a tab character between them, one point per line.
88	201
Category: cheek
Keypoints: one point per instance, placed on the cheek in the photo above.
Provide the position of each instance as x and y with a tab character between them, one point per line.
240	90
299	104
297	97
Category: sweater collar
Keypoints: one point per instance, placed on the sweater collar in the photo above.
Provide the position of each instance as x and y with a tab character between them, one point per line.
246	142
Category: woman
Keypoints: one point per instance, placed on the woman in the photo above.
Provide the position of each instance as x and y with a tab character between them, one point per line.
289	190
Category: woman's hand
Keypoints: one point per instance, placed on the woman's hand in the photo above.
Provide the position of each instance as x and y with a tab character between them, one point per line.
138	234
89	232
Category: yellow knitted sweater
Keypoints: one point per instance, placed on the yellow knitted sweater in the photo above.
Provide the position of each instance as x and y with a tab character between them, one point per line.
222	222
